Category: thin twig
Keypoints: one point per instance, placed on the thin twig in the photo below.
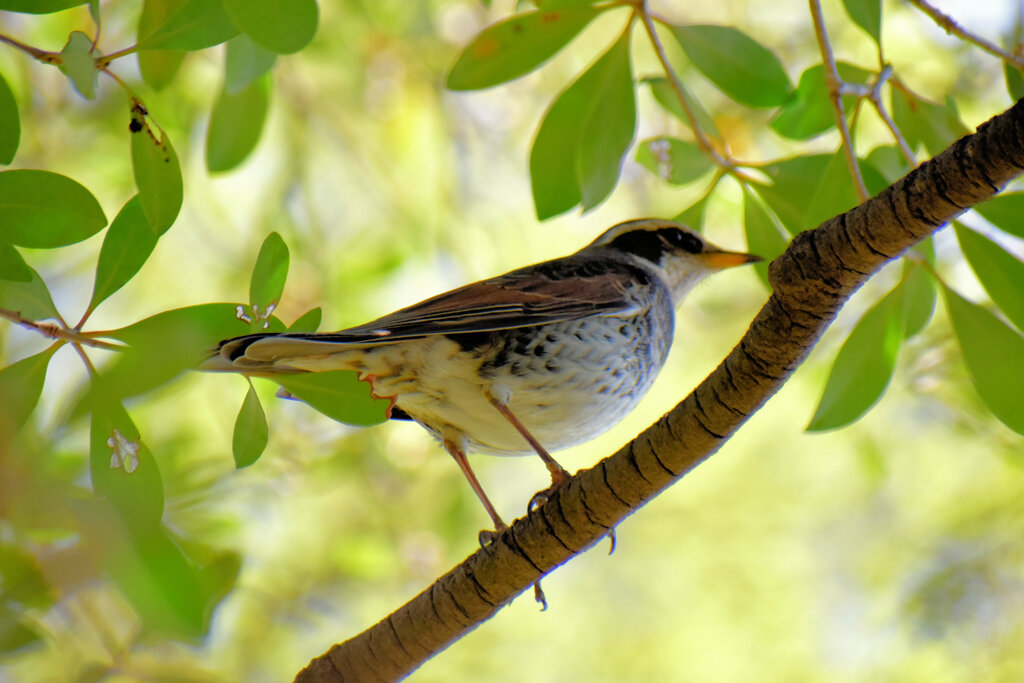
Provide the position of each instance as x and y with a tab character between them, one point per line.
949	25
834	83
103	61
43	56
51	331
875	97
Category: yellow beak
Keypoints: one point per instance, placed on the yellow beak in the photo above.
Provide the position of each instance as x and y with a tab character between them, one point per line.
728	259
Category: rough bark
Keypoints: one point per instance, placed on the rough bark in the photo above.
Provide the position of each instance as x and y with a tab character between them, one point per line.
811	281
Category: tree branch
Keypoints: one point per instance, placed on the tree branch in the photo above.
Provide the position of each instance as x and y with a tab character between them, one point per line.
820	270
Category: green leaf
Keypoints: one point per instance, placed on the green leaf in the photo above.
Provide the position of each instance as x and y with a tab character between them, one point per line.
764	235
157	175
579	148
665	95
693	216
23	579
1000	272
12	265
235	125
676	161
10	123
20	387
919	295
194	25
43	210
994	355
251	433
308	321
1014	81
32	299
808	190
1005	211
926	123
244	62
281	27
39	6
868	15
126	246
516	46
339	395
122	468
158	67
810	113
78	65
269	274
889	161
864	366
741	67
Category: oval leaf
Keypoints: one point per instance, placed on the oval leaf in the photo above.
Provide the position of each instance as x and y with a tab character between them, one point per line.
196	24
676	161
307	322
78	65
281	27
810	113
1000	272
12	265
269	274
20	387
666	96
10	123
235	125
251	434
157	175
994	355
158	67
926	123
126	246
43	210
741	67
31	299
764	235
339	395
577	154
244	62
868	15
1005	211
864	365
39	6
516	46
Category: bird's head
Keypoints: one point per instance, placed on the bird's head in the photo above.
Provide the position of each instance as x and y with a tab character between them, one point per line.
681	254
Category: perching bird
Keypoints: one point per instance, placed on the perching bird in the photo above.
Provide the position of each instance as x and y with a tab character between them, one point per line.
544	357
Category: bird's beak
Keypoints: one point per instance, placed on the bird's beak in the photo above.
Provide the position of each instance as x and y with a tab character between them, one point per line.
728	259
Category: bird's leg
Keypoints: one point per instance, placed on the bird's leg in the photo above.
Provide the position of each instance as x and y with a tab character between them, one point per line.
459	453
559	475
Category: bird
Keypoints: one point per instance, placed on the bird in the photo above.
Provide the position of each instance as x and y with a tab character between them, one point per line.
538	359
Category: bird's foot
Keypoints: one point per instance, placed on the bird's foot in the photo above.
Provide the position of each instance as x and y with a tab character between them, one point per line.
559	478
487	537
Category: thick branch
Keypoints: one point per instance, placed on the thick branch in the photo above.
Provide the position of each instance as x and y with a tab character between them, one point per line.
811	282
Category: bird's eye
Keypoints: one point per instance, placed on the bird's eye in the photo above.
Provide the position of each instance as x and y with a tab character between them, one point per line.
682	239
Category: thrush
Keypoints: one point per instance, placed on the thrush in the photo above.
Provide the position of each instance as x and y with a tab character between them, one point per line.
538	359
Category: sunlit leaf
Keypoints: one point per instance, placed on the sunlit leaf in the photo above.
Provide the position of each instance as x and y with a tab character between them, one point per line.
269	274
39	6
307	322
196	24
235	125
516	46
741	67
579	148
693	215
864	366
31	299
282	27
889	162
43	210
994	355
122	468
666	96
918	291
339	395
1000	272
810	113
20	387
676	161
1005	211
244	62
78	65
157	175
12	265
926	123
251	432
126	246
764	235
10	123
1014	81
868	15
158	67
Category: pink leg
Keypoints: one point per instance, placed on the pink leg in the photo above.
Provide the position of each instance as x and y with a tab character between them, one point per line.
559	475
460	458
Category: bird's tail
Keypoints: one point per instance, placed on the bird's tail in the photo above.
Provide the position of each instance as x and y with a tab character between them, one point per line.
277	353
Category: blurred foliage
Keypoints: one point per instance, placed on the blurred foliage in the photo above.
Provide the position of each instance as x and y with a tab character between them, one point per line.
131	547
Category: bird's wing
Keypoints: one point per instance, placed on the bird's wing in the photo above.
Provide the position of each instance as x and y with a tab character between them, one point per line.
549	292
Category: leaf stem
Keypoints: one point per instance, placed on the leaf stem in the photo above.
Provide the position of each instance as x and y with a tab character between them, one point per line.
835	83
949	25
59	332
43	56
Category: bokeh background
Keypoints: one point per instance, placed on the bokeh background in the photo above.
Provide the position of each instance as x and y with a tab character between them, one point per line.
890	550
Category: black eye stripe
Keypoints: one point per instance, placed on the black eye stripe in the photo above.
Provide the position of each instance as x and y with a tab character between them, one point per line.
652	244
682	239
